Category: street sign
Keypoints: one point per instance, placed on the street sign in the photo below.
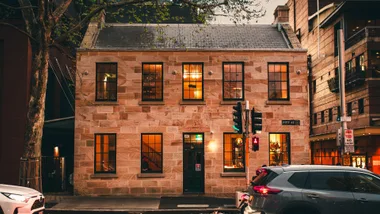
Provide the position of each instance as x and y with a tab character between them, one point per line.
345	119
349	141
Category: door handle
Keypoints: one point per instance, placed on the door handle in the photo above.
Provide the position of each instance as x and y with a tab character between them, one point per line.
311	195
362	200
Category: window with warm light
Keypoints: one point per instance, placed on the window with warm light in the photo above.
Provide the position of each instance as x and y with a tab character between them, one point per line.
152	82
233	81
234	157
105	153
279	149
278	81
106	81
151	153
192	81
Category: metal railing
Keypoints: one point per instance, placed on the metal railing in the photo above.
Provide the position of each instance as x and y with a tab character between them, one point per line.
367	32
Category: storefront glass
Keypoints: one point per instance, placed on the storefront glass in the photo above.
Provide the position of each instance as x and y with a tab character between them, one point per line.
279	149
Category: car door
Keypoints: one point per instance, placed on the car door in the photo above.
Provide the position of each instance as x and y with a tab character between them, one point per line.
329	192
366	192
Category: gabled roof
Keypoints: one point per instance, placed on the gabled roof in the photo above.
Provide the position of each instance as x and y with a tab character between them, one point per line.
178	37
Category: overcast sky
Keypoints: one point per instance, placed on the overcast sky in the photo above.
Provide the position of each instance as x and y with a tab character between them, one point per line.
267	19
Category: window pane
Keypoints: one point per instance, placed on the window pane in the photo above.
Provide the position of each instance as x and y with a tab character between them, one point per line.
233	88
152	81
151	153
234	157
278	81
333	181
364	183
279	149
106	81
192	81
105	153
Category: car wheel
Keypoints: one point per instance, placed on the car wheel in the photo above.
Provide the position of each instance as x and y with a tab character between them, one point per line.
301	210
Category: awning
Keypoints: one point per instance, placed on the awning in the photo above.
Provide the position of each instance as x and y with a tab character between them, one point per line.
357	133
65	123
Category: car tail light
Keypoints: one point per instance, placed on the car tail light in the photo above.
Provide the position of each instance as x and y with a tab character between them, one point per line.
264	190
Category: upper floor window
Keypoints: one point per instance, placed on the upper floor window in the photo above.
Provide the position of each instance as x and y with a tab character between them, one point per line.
278	81
106	81
105	153
234	157
336	43
152	82
322	116
192	81
151	153
314	86
330	115
360	66
349	109
315	117
233	81
361	106
349	66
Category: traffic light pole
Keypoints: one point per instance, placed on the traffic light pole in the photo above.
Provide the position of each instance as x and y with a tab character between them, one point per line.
245	137
342	91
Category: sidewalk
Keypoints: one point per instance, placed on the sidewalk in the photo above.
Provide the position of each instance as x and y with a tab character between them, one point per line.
143	204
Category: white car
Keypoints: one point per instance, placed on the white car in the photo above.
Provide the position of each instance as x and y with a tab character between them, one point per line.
20	200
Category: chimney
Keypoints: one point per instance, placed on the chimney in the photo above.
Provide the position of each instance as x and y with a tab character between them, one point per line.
281	14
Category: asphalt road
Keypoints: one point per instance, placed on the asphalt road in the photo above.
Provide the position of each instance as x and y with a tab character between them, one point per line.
146	212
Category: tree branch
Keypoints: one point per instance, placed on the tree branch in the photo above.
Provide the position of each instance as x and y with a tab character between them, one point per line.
61	10
95	12
63	51
16	8
28	14
18	29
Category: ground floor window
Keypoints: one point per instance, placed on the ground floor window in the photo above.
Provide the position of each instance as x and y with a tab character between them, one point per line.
325	153
279	149
233	149
105	153
151	153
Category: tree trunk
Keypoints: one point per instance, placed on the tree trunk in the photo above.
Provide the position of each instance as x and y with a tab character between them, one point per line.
30	165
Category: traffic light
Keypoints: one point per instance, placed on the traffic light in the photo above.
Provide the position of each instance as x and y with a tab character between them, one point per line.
237	118
257	121
255	144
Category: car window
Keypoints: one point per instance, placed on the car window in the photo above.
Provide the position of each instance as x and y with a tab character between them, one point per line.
334	181
265	177
298	179
364	183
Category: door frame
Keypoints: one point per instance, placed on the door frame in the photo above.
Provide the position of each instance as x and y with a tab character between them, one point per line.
202	191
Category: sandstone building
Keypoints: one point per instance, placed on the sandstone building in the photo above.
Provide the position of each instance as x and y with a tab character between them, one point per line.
317	31
154	106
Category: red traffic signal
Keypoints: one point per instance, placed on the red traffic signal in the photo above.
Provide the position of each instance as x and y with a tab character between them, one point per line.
255	144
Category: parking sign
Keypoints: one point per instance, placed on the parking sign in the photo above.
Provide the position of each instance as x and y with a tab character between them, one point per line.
349	140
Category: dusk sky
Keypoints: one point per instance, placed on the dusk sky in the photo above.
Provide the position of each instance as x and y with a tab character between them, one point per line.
267	19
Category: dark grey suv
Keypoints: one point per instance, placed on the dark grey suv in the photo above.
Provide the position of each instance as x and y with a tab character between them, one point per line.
316	189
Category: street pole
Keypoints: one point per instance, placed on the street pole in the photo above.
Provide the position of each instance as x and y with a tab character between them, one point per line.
342	91
245	137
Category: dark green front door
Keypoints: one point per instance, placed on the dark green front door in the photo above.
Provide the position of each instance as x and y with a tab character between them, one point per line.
193	163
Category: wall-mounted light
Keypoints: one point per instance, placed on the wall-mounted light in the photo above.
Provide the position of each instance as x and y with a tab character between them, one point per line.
174	72
212	146
84	73
56	151
210	72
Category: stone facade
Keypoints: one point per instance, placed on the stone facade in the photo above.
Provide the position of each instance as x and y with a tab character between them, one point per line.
128	117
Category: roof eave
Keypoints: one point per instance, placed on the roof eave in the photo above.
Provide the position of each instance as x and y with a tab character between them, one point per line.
190	50
332	16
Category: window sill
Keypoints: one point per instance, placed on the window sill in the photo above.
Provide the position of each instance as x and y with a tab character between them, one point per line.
230	102
151	103
108	103
278	102
233	174
150	175
192	102
103	175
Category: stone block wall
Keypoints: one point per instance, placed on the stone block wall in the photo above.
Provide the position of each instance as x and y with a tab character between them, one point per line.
128	117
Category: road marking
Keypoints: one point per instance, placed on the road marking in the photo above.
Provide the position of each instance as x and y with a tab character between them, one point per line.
192	205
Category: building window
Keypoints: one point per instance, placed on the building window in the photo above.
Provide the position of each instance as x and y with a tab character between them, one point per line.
322	116
278	81
192	81
152	82
349	109
105	153
314	86
330	115
349	67
315	117
151	153
106	81
361	106
279	149
360	66
336	47
234	157
233	81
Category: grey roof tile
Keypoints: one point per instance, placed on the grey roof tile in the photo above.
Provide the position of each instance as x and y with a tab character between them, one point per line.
189	37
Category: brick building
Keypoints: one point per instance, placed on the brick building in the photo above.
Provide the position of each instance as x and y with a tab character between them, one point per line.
360	22
154	106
